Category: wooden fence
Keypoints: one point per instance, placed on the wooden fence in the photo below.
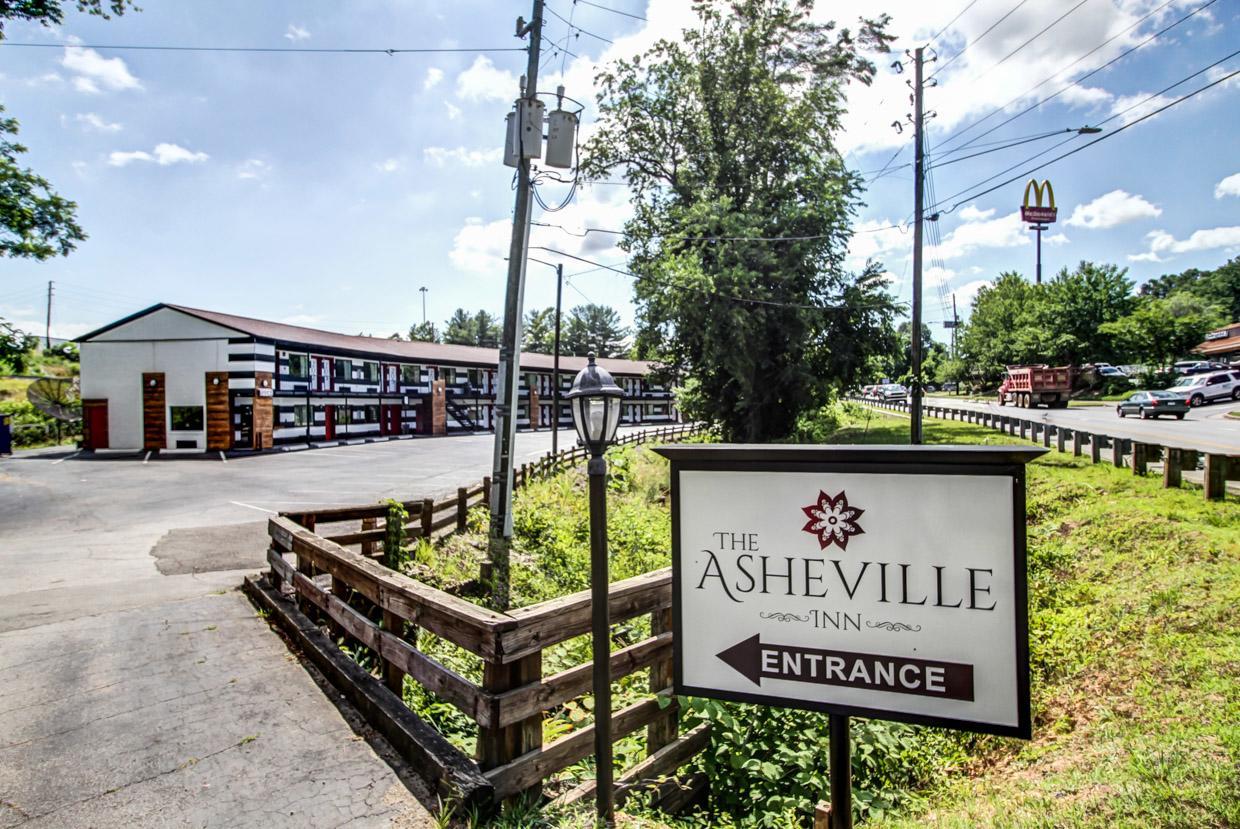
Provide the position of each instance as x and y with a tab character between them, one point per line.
368	604
1121	452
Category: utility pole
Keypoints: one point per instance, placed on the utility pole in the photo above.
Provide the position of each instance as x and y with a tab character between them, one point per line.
423	290
555	374
499	538
47	334
918	207
955	325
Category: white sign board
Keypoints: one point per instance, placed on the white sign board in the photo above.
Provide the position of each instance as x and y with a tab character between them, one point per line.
877	581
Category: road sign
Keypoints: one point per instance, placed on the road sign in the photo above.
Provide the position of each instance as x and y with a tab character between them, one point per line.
878	581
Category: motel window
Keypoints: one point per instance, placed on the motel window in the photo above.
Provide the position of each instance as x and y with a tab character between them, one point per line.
370	372
366	414
342	416
448	375
344	369
298	365
186	418
411	375
301	415
475	377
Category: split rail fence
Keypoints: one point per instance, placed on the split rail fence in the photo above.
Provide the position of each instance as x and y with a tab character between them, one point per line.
1121	452
335	581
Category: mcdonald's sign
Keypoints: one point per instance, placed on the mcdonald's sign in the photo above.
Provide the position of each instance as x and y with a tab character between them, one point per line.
1036	213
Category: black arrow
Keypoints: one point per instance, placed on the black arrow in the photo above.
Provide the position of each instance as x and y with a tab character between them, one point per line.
898	674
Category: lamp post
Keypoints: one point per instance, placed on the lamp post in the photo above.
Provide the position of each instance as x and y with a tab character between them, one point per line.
595	403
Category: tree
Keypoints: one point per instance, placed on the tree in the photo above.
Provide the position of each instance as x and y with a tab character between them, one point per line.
1220	286
594	328
1161	331
424	332
997	333
35	221
1069	323
538	331
724	134
481	329
16	346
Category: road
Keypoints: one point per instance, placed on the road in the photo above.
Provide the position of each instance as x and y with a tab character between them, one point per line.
1206	428
137	685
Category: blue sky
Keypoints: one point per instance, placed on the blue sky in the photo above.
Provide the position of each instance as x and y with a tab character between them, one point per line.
326	189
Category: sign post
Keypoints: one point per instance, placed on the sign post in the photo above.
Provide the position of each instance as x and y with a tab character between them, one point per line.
1038	215
874	581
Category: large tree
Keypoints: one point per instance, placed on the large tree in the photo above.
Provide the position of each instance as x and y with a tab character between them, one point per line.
726	135
1163	330
35	221
594	328
1220	286
538	331
463	328
16	346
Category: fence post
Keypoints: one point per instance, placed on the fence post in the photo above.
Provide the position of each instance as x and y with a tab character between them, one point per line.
1046	435
1076	443
1215	477
1140	458
1024	429
498	746
1117	453
462	508
368	547
486	489
428	516
664	729
1095	448
1060	435
393	677
1173	469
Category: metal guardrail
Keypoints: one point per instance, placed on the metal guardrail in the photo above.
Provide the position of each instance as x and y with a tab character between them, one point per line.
1122	452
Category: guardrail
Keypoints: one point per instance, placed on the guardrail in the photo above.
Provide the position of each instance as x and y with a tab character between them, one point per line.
1121	452
318	581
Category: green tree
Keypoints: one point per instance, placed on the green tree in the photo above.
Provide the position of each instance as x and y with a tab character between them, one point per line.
486	329
1068	324
424	332
997	333
1220	286
35	221
538	331
16	347
594	328
1161	331
463	328
724	134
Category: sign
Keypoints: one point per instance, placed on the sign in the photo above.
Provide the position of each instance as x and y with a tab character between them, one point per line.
1036	213
884	582
1218	335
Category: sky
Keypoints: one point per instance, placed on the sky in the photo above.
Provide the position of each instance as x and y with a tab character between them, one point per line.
327	189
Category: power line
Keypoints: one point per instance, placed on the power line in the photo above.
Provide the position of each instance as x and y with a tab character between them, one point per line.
809	237
949	23
302	49
609	9
1076	82
975	40
882	170
1111	134
572	25
1008	145
1043	31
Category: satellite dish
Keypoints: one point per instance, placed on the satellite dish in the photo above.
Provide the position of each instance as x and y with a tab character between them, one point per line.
57	397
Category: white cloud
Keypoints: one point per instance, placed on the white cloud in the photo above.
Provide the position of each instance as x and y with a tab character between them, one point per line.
1135	106
94	73
389	165
971	213
934	276
253	168
481	247
454	111
302	319
163	155
967	292
1005	232
91	121
1057	239
296	33
1163	244
877	239
1229	186
1111	209
459	156
433	76
483	82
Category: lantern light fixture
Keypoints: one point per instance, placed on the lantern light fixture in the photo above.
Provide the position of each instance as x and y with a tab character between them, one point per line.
595	403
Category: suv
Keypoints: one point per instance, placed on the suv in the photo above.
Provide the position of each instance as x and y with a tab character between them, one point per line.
1200	388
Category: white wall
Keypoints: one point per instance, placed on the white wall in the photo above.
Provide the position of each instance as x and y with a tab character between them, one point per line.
113	371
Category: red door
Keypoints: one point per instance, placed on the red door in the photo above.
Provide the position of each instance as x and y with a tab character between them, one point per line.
329	422
95	417
391	419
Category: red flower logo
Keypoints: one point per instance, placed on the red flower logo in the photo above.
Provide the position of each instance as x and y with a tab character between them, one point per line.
832	520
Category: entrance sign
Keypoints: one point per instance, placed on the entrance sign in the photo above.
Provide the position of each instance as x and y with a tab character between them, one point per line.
877	581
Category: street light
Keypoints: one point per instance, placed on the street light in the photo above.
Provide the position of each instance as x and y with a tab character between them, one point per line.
595	403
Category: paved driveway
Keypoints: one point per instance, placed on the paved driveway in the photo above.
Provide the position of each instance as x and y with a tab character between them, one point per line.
137	686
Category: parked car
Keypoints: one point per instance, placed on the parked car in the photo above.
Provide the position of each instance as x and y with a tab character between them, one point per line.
1198	389
949	386
893	391
1109	371
1148	404
1197	367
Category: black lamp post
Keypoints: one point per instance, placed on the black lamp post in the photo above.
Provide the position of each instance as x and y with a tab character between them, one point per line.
595	402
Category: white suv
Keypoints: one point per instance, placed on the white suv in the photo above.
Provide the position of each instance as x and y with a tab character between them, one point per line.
1200	388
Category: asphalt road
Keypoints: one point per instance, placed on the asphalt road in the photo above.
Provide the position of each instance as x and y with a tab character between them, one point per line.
137	685
1206	428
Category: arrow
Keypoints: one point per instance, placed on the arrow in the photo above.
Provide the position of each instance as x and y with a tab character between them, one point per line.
897	674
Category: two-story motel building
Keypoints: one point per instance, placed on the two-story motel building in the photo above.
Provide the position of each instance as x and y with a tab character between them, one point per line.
177	378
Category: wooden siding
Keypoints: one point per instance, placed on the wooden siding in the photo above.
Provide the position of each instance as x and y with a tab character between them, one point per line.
219	432
264	416
154	412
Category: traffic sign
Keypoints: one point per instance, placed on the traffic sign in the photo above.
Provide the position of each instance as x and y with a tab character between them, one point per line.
884	582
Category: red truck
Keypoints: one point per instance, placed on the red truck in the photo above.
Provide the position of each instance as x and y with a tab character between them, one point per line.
1028	386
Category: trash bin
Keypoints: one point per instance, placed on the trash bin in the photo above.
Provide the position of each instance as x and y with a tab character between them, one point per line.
6	435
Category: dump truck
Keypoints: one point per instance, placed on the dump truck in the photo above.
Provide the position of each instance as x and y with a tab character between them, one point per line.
1028	386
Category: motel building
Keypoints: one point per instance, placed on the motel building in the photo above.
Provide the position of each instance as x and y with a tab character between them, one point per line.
172	378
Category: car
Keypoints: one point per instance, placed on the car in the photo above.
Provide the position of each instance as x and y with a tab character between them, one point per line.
1199	389
950	386
1109	371
892	391
1196	367
1148	404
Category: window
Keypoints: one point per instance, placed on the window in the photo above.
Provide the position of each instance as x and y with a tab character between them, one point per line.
301	415
448	375
367	414
298	365
342	416
344	369
475	377
186	418
411	375
370	372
